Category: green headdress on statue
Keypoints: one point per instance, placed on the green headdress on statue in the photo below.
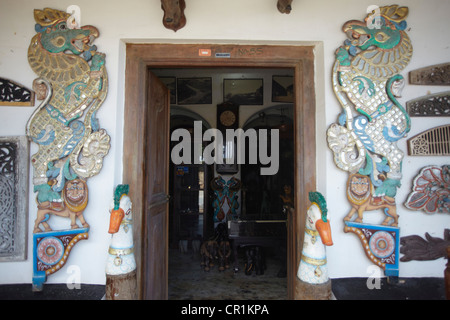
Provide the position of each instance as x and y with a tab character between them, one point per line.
317	198
121	189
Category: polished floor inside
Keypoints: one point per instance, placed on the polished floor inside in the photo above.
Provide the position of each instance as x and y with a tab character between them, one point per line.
188	281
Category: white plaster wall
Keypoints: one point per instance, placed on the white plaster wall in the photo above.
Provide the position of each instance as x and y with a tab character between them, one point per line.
232	21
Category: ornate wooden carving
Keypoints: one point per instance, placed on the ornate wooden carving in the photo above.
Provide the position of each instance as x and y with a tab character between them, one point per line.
64	126
435	75
433	105
14	94
380	244
14	159
367	81
433	142
431	190
415	247
174	17
284	6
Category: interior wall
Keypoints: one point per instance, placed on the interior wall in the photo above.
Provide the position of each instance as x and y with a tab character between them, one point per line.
232	21
208	111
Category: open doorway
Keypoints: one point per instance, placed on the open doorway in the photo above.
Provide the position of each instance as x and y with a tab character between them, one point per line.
250	217
142	144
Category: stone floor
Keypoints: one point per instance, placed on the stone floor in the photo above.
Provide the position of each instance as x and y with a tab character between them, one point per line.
188	281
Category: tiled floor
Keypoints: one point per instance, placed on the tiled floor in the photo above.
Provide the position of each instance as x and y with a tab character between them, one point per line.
187	280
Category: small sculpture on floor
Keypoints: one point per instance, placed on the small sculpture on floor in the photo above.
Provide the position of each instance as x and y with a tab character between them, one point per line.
224	255
121	283
209	251
313	270
255	260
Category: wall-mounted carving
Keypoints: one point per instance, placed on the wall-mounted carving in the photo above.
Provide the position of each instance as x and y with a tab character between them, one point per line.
435	75
360	194
431	248
284	6
433	142
174	17
14	159
64	126
225	201
366	82
433	105
431	190
380	244
14	94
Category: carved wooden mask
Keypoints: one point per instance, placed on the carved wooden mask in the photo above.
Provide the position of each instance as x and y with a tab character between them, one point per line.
174	17
284	6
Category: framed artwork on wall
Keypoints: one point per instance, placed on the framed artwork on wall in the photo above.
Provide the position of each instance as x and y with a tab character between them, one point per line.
194	90
244	91
283	89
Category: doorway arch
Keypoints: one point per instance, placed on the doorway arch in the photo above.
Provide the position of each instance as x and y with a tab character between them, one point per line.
141	57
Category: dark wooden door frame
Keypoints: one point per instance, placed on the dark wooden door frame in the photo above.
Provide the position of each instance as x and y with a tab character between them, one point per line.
141	57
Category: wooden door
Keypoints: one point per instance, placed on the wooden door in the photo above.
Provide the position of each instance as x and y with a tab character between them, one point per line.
156	241
141	57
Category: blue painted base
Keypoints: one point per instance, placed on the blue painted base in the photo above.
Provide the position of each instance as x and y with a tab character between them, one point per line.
381	244
51	250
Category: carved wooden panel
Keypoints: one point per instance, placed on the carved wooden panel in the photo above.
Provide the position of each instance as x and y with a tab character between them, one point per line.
431	190
14	94
433	142
438	74
433	105
14	153
415	247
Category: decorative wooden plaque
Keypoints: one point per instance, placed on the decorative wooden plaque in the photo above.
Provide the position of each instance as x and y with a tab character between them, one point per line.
415	247
14	94
433	105
431	190
436	75
433	142
380	244
14	159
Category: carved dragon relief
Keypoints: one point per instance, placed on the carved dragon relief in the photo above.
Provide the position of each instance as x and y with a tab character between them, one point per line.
73	71
73	83
367	83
